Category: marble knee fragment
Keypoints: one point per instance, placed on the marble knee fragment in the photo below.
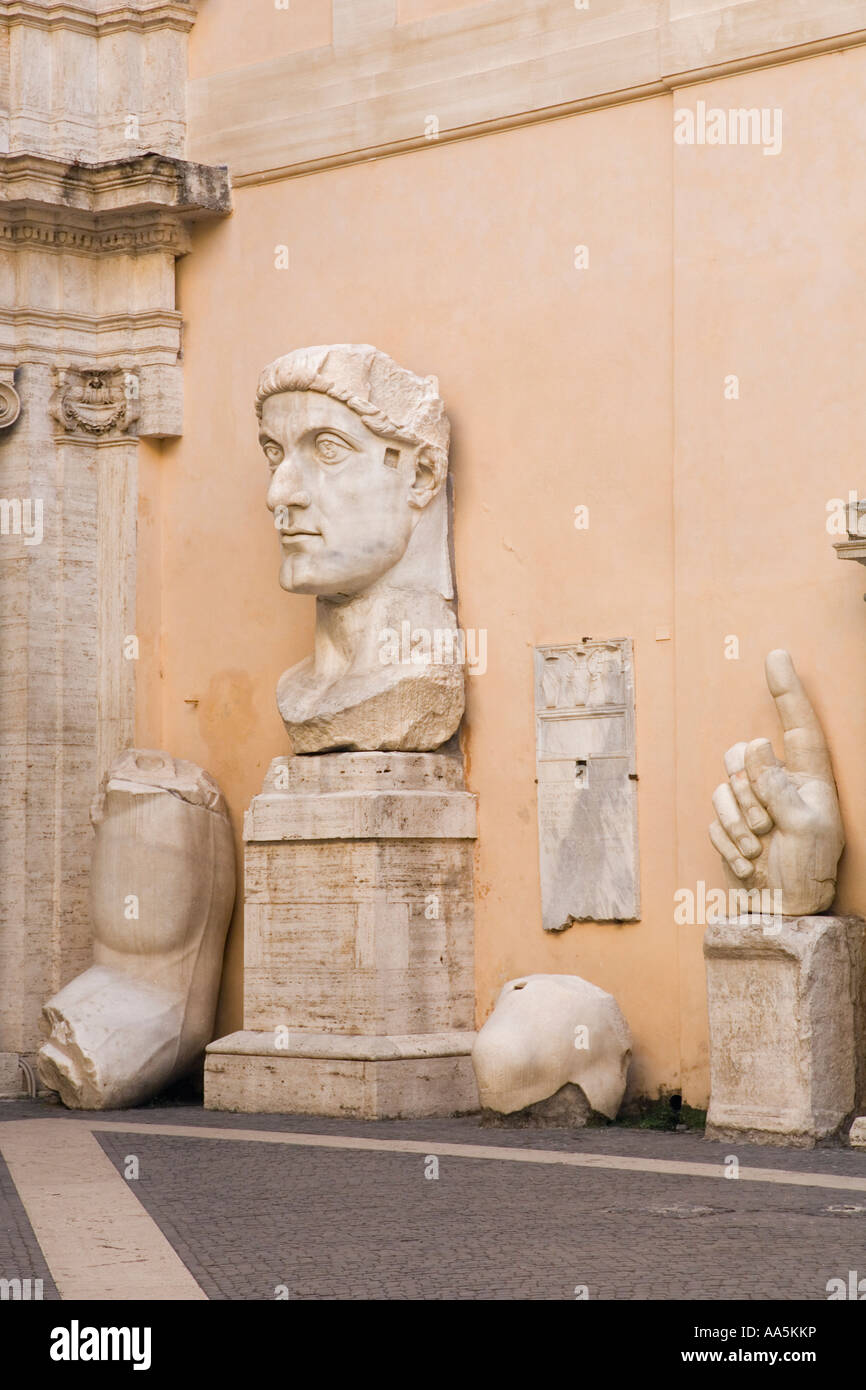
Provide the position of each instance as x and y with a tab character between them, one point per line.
162	886
549	1031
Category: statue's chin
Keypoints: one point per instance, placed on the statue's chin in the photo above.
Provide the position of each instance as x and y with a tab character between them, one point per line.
298	575
292	586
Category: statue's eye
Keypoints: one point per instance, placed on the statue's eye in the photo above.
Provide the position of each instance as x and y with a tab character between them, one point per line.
273	453
330	448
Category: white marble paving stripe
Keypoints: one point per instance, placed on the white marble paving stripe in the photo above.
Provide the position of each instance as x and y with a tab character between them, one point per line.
782	1176
97	1238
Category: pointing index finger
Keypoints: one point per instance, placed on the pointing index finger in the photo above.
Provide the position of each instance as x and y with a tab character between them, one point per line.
805	745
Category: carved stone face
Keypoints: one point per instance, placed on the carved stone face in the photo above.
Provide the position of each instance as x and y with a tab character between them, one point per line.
345	500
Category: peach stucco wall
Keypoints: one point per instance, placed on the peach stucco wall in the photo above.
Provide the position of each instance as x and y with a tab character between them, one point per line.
770	259
410	10
603	387
237	33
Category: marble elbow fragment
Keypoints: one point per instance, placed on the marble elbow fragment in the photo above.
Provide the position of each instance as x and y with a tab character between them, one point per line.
162	887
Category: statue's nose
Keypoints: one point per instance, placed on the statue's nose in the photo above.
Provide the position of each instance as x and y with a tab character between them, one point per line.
286	489
297	499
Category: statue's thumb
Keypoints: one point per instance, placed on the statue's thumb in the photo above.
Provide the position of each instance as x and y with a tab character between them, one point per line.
772	785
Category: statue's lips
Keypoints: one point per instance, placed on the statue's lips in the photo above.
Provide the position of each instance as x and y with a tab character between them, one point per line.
287	536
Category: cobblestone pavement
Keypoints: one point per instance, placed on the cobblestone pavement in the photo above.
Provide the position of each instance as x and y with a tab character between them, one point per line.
20	1256
250	1218
468	1129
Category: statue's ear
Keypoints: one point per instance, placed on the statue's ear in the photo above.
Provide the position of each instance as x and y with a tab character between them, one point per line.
429	476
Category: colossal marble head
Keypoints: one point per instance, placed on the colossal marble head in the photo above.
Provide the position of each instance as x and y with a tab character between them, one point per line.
358	450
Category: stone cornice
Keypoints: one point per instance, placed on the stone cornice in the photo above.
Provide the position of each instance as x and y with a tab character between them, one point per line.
490	67
95	236
143	182
135	15
139	204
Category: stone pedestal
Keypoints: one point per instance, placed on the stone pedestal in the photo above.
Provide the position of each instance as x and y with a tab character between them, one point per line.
358	956
786	1027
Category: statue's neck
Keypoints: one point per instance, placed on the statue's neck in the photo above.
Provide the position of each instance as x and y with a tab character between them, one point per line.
343	632
350	632
350	635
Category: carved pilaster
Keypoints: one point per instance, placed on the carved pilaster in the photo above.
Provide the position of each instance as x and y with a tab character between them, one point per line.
94	200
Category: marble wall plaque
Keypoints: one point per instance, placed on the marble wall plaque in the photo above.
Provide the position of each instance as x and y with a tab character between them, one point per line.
587	786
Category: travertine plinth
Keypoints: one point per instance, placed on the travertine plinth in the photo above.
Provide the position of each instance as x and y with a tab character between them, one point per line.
358	958
786	1026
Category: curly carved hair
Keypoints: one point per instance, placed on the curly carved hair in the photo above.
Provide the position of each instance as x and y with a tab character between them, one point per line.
424	423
